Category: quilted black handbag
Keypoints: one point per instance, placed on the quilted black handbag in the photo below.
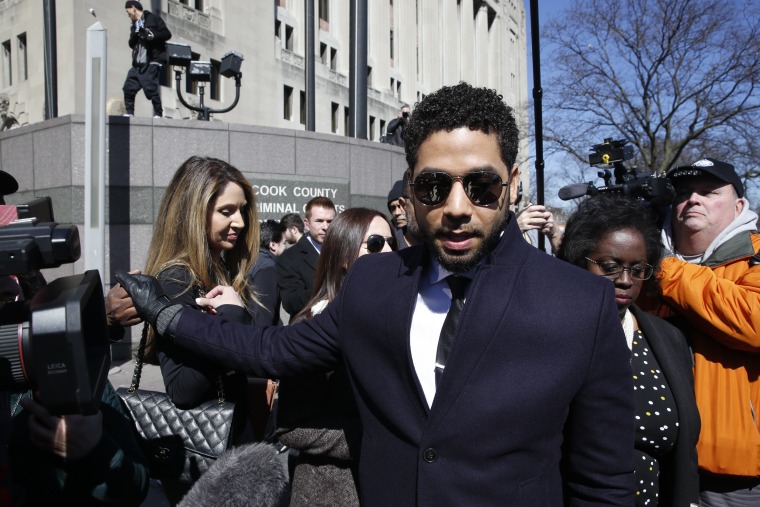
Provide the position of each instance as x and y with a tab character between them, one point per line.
179	445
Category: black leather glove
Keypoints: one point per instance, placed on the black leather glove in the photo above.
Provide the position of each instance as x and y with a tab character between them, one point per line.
146	293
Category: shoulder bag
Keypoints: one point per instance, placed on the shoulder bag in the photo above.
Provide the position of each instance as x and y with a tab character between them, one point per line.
179	445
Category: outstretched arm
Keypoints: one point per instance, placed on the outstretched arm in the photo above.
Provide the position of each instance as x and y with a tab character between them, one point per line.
262	351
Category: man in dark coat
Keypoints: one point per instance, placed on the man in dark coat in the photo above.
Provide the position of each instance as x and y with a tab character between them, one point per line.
147	38
532	404
396	126
297	265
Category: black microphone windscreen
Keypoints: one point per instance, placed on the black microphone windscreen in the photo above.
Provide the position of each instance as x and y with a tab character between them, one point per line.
573	191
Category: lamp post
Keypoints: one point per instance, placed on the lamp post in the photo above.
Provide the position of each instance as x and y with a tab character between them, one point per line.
181	57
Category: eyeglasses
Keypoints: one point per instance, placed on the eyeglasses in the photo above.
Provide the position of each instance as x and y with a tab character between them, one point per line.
376	242
613	270
482	188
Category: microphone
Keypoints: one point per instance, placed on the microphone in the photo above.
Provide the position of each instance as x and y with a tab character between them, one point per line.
575	191
251	474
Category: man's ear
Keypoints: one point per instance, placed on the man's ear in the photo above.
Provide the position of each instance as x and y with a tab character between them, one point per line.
739	207
272	246
514	183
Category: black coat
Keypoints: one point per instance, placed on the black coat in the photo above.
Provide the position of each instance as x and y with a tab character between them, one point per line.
395	129
295	275
679	477
262	279
535	407
157	46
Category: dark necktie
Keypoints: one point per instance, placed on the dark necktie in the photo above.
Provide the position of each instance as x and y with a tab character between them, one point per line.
457	284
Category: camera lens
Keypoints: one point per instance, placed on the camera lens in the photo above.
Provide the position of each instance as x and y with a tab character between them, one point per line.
14	349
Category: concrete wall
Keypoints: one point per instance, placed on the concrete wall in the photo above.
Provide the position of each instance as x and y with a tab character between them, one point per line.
287	167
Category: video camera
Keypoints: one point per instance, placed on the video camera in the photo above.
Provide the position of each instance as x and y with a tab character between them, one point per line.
655	190
56	343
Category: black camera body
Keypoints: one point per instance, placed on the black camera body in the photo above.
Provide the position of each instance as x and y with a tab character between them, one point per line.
654	190
56	343
610	152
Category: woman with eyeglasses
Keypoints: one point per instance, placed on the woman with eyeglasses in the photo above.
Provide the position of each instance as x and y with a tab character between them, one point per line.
618	238
316	414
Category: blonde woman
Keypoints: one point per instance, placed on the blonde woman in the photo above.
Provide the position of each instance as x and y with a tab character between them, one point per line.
206	234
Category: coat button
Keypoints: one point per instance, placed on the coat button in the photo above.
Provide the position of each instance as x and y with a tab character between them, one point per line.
430	455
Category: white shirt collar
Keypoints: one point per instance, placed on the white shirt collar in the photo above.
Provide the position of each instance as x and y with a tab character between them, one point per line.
316	245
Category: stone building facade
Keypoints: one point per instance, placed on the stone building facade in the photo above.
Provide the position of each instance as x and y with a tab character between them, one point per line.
414	48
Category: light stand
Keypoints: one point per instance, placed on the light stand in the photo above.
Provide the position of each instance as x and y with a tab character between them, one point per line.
180	57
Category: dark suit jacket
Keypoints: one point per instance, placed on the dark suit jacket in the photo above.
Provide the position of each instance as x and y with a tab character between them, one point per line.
295	275
262	279
679	477
535	406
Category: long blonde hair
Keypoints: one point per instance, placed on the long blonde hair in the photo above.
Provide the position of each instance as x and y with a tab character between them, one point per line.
180	234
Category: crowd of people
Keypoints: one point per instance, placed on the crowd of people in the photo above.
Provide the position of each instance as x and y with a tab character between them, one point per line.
432	356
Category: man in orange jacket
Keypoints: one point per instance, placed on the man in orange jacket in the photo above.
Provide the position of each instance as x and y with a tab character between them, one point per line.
712	284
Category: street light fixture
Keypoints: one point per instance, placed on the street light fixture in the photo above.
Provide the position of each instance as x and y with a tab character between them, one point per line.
180	57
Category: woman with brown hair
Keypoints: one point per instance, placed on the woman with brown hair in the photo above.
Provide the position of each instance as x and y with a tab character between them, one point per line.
206	234
316	414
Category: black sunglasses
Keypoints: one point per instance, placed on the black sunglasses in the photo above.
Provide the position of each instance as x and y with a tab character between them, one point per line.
482	188
376	242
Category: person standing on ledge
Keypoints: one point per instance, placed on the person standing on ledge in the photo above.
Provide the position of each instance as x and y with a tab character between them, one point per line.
147	38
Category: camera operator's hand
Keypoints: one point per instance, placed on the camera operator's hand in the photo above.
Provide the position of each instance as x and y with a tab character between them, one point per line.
120	310
69	437
146	293
534	216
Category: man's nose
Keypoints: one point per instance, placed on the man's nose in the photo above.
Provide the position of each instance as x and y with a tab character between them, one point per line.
457	202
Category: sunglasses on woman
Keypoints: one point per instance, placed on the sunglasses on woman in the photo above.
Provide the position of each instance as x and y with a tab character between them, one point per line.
376	242
483	188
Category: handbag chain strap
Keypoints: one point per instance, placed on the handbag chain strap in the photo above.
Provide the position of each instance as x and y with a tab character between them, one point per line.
139	361
139	365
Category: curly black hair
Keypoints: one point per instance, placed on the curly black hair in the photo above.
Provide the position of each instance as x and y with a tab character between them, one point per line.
605	213
462	105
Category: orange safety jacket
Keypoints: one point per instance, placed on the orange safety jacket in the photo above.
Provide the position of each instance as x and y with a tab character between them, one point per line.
717	305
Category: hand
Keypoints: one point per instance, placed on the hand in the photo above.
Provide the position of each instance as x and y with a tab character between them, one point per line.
147	295
145	33
534	216
69	437
552	232
218	296
120	310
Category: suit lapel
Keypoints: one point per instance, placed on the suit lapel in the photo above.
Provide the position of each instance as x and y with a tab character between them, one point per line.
309	252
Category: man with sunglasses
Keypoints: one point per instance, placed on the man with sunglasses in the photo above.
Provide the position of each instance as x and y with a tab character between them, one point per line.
525	398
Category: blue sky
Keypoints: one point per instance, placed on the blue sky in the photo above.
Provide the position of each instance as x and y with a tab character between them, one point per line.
546	9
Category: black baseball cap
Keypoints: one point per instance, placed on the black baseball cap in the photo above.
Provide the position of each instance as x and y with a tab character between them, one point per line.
396	192
710	167
8	183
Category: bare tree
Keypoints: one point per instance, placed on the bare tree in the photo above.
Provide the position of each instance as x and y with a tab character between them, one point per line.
678	79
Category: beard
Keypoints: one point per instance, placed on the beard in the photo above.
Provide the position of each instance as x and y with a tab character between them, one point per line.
462	262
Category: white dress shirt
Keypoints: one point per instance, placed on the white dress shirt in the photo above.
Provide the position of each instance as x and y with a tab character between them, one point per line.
433	302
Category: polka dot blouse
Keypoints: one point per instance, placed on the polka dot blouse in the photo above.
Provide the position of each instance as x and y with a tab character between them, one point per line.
656	420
